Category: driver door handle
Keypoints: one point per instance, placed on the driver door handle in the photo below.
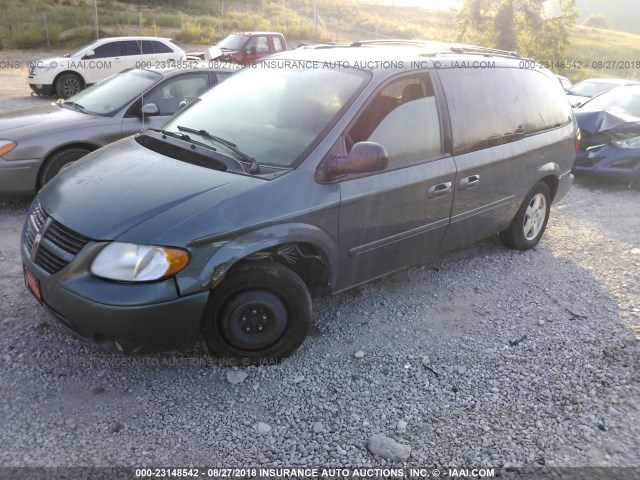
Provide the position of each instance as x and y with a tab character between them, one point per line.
469	182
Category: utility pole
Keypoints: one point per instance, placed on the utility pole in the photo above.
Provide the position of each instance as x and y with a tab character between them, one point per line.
315	20
222	19
95	4
46	30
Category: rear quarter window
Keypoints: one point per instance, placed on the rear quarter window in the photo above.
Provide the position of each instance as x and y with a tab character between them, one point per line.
160	47
133	47
490	107
277	44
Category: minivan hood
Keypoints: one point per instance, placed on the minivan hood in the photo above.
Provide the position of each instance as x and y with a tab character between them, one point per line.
124	185
19	123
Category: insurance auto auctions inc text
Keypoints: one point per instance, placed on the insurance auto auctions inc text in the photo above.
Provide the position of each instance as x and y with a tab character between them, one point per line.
348	473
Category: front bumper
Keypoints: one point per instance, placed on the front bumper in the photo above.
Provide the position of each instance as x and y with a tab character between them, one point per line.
19	176
41	89
129	318
145	328
564	184
608	161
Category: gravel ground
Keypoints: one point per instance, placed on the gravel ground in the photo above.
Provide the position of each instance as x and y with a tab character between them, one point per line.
485	357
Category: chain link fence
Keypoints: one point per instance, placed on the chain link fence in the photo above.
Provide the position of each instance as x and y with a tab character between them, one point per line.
53	30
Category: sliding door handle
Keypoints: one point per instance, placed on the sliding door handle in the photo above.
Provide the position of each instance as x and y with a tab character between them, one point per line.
439	190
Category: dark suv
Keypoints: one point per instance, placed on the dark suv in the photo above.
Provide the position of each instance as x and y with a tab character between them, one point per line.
348	163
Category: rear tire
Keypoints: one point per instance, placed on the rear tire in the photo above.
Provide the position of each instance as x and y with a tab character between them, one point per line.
260	314
57	162
529	224
68	84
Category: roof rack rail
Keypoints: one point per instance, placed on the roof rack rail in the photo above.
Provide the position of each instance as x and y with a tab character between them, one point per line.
320	45
390	41
441	46
476	49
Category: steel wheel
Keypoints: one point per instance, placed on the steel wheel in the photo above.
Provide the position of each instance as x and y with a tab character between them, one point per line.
254	319
260	313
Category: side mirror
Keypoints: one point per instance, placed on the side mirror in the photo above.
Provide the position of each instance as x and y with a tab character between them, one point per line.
149	109
364	157
89	54
250	51
183	103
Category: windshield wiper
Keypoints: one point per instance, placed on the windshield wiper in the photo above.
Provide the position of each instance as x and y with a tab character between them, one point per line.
76	106
169	133
253	168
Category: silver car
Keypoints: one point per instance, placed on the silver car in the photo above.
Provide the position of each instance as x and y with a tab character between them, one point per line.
37	142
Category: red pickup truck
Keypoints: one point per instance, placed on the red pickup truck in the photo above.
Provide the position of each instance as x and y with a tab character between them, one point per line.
246	47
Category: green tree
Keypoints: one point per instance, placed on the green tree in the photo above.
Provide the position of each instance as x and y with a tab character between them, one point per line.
518	25
596	20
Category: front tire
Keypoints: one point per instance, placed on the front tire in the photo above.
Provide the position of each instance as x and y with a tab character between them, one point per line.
260	314
530	222
68	84
57	162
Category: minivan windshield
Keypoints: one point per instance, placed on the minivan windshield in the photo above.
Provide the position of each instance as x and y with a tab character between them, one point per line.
272	114
113	93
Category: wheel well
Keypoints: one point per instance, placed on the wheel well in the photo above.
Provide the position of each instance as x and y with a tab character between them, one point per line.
305	259
87	146
55	80
552	183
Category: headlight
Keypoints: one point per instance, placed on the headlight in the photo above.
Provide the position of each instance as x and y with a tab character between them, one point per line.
628	143
6	146
128	262
40	69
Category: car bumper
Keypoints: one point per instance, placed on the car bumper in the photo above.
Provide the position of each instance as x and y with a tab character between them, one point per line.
140	329
19	176
623	165
128	318
564	184
42	89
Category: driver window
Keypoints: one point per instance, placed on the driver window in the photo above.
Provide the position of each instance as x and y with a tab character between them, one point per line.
169	95
403	118
108	50
261	44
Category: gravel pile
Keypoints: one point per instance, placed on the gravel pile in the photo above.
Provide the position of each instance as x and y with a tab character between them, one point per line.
486	357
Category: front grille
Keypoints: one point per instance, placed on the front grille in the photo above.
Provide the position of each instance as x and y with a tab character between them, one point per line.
36	221
66	239
58	244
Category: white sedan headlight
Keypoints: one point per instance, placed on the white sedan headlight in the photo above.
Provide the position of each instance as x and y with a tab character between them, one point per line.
128	262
